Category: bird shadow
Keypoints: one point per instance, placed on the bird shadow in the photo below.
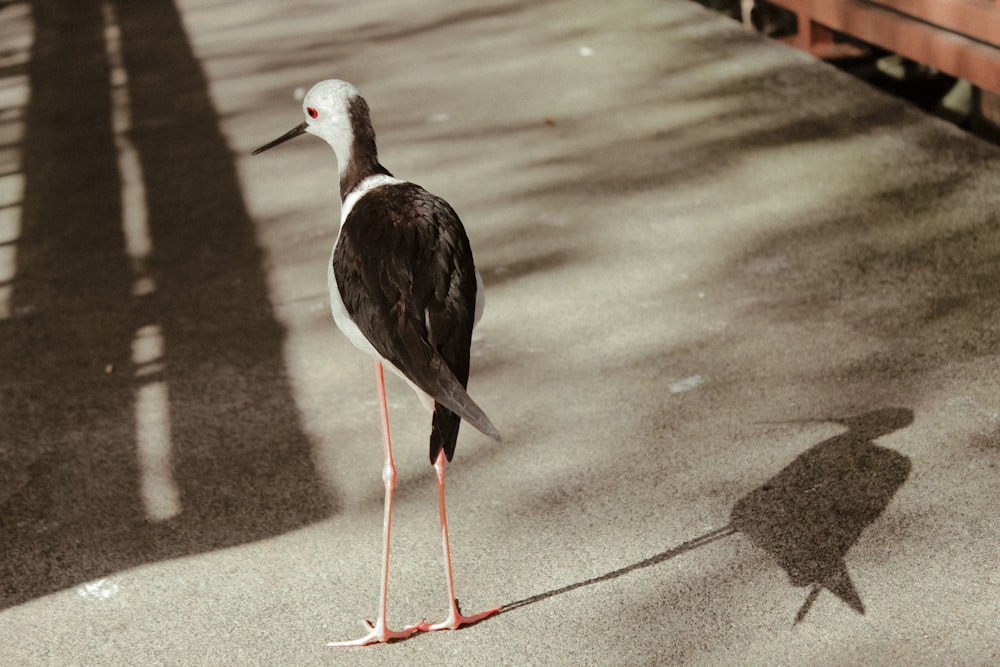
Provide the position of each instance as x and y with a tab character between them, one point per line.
809	515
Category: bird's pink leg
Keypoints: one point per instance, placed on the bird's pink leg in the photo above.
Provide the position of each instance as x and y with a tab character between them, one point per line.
379	632
455	618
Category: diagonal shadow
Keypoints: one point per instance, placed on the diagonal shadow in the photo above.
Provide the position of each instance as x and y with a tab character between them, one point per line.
690	545
71	504
808	515
71	283
245	465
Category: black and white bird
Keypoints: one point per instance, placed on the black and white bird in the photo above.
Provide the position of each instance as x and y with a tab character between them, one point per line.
404	288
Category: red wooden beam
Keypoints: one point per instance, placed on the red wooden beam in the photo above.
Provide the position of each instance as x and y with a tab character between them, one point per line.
979	19
918	40
947	51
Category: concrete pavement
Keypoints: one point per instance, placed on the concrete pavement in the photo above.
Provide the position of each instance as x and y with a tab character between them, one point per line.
740	339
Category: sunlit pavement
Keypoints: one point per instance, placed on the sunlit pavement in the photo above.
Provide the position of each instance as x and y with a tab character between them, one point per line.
741	340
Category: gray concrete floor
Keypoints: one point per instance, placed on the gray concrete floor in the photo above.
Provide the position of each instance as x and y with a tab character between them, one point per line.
741	340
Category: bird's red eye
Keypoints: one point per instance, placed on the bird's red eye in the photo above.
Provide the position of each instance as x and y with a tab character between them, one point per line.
312	112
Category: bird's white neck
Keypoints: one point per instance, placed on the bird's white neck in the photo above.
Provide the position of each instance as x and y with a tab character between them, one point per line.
342	149
364	187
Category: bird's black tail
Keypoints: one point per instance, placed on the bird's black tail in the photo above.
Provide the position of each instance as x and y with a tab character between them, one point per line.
444	432
452	404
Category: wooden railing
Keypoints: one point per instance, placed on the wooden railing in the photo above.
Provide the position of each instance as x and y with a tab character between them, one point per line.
958	37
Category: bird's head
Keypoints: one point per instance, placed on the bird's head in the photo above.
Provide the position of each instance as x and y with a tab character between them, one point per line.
335	112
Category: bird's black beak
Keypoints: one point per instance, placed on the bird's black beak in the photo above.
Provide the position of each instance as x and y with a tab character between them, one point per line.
291	134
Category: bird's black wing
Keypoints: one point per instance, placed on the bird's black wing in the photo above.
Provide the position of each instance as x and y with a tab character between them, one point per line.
404	268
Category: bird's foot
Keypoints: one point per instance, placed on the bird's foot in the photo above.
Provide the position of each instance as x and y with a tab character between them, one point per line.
379	634
456	620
